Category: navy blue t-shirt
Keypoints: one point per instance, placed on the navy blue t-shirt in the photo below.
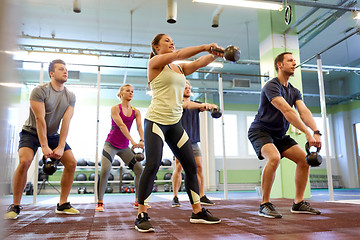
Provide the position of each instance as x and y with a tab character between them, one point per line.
190	122
269	118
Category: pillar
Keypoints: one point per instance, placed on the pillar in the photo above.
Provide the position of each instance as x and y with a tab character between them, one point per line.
273	41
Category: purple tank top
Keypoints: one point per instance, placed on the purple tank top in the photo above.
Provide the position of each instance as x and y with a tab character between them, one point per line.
116	137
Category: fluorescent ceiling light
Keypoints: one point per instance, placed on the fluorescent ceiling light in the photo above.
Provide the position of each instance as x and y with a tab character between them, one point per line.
12	85
356	15
244	3
213	64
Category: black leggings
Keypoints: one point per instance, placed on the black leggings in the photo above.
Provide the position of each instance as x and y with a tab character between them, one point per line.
178	141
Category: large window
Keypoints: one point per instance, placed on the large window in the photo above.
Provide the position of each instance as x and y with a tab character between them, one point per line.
357	129
231	135
320	125
250	149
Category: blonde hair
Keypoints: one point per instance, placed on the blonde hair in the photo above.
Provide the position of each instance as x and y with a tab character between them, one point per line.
122	89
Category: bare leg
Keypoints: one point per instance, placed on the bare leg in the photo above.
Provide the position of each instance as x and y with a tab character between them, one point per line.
297	155
176	177
67	178
200	175
272	157
26	156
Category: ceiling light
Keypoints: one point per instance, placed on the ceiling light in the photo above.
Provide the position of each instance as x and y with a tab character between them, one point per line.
171	13
13	85
244	3
76	6
356	15
213	64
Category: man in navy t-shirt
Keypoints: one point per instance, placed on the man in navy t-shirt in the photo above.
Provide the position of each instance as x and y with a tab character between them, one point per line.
190	122
267	135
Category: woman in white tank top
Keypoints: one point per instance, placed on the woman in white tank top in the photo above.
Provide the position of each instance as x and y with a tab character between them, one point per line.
167	82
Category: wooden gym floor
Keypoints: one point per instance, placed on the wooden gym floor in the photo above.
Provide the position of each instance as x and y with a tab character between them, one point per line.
239	221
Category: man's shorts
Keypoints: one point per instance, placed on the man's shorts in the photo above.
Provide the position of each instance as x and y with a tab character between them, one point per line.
30	140
259	138
196	149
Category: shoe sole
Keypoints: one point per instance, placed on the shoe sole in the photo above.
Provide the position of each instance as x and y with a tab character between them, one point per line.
177	205
207	204
62	212
203	221
11	218
304	212
268	216
144	231
99	210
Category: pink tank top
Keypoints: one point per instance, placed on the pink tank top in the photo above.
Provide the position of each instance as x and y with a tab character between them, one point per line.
116	137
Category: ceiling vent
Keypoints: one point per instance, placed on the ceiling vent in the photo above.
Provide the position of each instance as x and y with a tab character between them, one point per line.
241	83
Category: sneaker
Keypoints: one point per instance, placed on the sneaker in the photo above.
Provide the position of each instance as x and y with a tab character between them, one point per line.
136	205
66	208
175	202
99	207
142	223
204	217
205	201
268	210
13	212
304	207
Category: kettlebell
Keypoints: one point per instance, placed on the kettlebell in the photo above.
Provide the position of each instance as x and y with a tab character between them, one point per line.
139	154
231	53
313	158
216	113
50	165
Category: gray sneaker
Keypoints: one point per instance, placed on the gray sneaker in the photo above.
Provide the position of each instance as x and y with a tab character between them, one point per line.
268	210
304	207
175	202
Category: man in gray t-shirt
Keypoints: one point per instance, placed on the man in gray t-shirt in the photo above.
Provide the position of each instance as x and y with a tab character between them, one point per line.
50	104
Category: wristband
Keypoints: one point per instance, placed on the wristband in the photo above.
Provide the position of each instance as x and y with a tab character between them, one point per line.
141	140
317	132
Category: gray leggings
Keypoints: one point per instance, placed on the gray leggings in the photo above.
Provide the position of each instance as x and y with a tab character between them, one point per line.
108	155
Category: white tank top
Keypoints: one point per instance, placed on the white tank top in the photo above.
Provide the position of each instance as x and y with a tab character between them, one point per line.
167	99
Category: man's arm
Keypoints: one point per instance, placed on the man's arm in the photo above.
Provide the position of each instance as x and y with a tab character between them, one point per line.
38	109
65	124
307	118
115	115
139	128
293	118
201	106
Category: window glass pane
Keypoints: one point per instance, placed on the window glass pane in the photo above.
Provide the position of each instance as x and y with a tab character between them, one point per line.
231	135
357	128
250	149
320	125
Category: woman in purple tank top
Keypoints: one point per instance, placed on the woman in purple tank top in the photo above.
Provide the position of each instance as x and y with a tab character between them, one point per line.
117	142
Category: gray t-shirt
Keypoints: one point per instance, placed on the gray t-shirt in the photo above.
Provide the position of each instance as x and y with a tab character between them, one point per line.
56	103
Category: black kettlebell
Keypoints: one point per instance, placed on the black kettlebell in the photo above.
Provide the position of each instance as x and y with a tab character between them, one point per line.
313	158
50	165
216	112
139	154
231	53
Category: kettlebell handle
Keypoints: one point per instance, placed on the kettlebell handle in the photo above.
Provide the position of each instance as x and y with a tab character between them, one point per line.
133	149
307	148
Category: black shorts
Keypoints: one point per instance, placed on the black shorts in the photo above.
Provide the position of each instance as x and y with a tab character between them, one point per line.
30	140
259	138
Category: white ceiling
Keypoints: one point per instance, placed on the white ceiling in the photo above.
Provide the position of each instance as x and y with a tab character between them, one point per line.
110	21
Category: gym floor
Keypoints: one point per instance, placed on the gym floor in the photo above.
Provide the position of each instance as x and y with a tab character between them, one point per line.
339	219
